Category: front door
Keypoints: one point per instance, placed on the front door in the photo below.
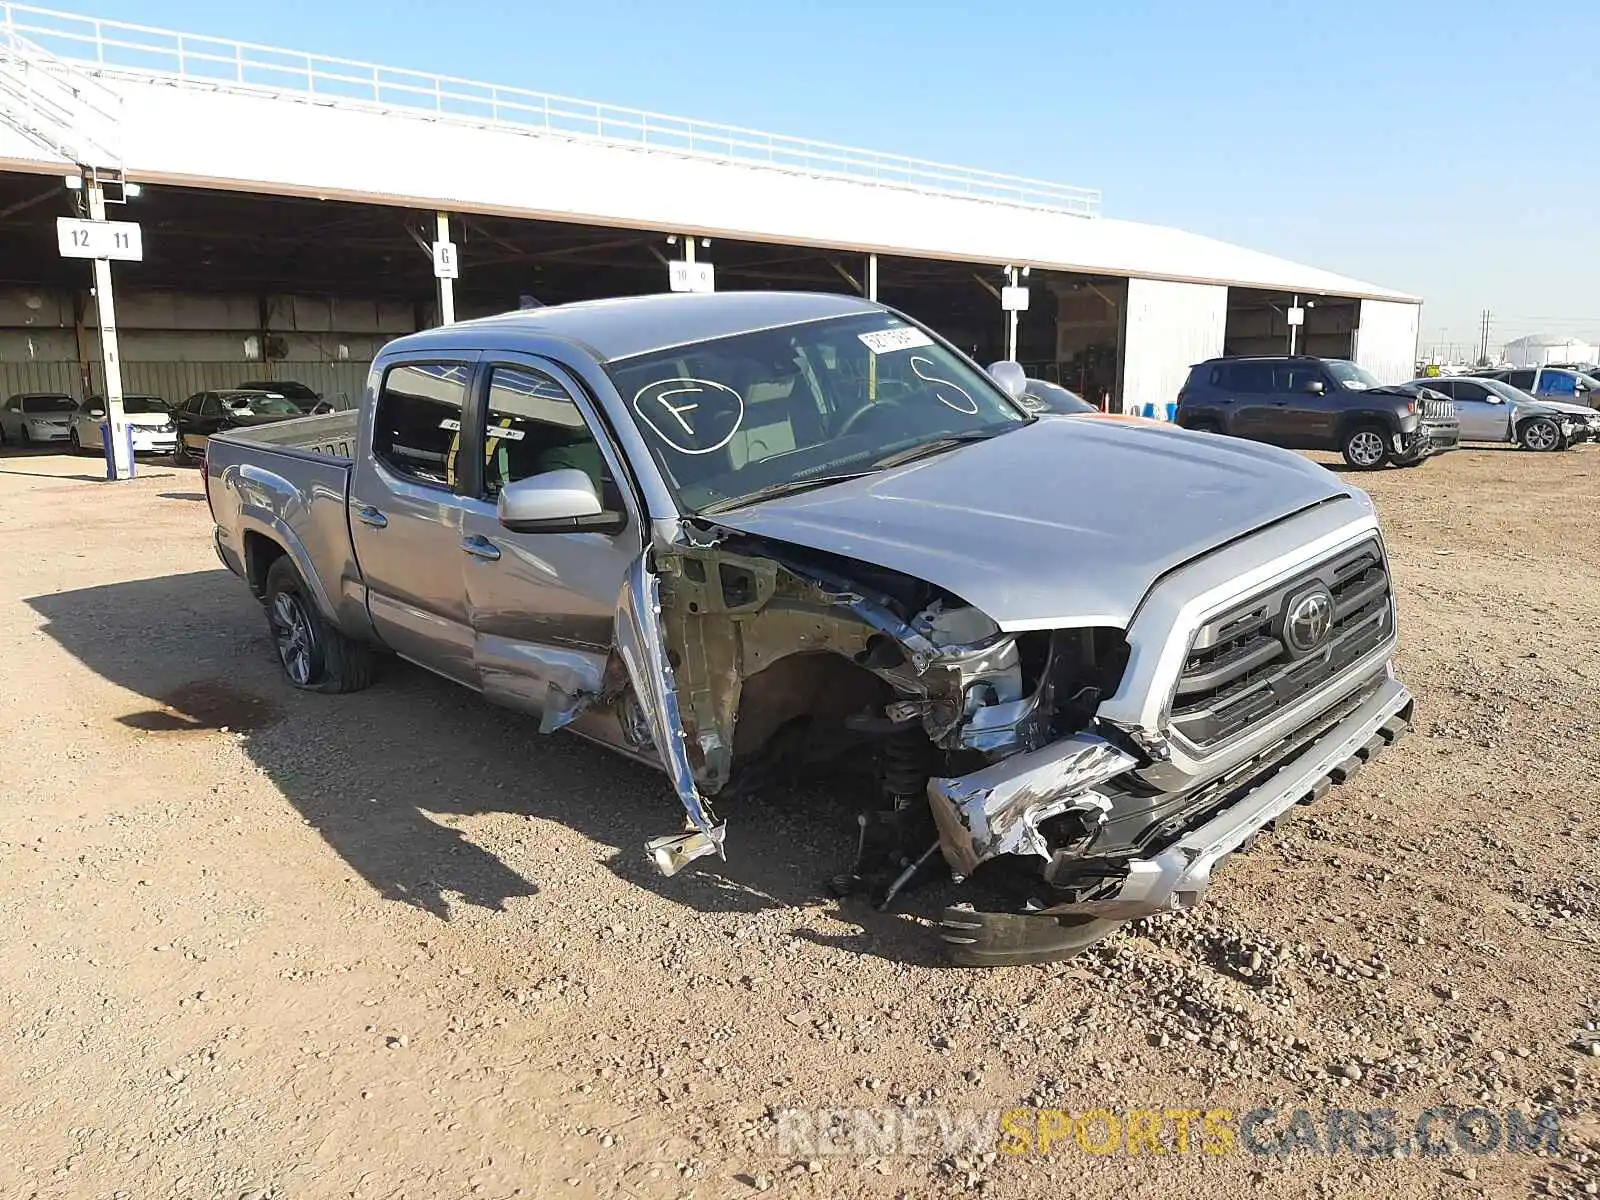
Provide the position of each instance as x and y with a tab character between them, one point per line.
543	604
1484	416
405	514
1305	419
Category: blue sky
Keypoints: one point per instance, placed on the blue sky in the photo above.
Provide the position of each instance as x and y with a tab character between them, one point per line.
1450	149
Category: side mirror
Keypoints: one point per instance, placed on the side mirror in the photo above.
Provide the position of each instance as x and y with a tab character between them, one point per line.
561	501
1013	380
1314	387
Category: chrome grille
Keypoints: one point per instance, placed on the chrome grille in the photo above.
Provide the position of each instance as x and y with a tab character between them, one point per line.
1438	410
1240	669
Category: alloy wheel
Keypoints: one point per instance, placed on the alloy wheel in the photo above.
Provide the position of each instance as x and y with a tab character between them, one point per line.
1366	448
291	634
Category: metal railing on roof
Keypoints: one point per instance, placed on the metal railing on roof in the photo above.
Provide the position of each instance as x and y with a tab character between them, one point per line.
122	49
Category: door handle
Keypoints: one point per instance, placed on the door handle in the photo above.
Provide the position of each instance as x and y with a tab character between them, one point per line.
480	547
1280	404
368	515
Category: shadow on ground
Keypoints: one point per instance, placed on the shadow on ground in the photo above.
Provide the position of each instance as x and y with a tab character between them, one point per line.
370	771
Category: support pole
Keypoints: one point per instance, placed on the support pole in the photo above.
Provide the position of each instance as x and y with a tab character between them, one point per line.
688	249
872	277
110	357
1294	330
1011	319
447	287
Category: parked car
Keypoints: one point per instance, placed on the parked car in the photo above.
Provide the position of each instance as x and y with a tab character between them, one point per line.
1304	403
1553	383
1491	410
207	413
733	533
297	394
150	418
31	417
1040	395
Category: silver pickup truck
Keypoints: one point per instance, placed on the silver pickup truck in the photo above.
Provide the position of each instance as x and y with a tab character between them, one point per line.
734	534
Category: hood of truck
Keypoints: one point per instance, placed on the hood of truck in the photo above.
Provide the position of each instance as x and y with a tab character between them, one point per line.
1064	522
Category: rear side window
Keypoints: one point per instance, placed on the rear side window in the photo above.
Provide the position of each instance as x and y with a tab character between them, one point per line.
1249	377
416	426
1520	379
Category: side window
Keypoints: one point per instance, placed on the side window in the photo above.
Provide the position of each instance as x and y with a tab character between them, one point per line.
1293	377
533	426
210	406
1558	383
416	426
1521	379
1469	391
1254	378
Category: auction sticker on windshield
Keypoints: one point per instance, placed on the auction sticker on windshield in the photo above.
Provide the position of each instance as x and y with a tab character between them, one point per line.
887	341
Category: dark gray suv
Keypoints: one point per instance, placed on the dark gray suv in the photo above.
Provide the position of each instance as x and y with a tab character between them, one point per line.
1303	403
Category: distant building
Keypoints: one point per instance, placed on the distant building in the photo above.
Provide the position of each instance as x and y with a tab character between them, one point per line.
1537	349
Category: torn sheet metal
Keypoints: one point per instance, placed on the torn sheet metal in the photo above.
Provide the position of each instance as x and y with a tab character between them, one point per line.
997	810
642	647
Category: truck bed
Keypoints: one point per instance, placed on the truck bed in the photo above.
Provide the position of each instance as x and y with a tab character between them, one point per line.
286	484
331	435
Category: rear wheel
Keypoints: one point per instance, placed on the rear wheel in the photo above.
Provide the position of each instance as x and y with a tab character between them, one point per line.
1366	447
315	656
1539	434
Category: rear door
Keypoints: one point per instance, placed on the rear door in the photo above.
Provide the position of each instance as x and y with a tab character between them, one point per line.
1484	416
1248	386
406	514
543	605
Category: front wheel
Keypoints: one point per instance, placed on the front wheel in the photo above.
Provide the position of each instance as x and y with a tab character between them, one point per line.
1539	434
180	453
315	656
1366	447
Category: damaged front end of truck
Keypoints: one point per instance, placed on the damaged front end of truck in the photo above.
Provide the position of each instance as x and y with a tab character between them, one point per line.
994	752
747	658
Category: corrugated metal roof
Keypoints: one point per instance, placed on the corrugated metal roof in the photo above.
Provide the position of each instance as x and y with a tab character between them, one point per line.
358	132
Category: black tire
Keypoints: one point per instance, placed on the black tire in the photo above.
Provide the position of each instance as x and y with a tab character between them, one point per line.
1361	451
1412	462
1205	426
27	438
180	453
1541	435
314	656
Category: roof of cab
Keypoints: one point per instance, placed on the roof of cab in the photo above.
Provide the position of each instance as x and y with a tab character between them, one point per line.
631	325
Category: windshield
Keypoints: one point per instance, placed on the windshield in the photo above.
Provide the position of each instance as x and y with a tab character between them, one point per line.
261	405
132	404
1351	376
760	412
48	404
288	388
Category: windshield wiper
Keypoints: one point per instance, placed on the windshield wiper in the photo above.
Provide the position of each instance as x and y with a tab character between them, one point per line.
784	487
948	442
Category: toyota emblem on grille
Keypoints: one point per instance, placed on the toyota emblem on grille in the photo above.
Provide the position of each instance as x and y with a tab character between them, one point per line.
1308	620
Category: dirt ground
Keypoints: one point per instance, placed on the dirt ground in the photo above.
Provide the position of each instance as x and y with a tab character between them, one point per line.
265	944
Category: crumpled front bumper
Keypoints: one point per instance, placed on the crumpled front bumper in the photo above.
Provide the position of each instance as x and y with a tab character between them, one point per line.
1176	876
